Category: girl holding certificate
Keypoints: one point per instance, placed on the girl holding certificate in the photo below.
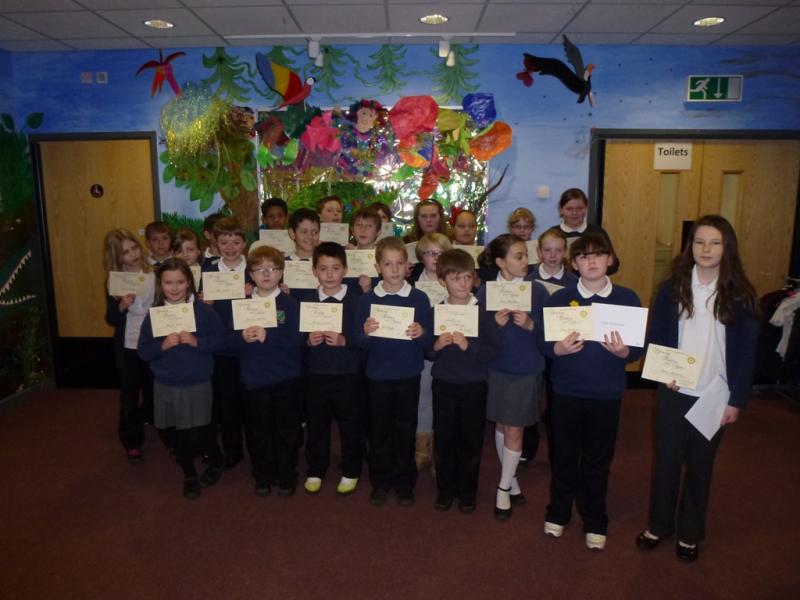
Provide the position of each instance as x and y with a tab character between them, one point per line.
182	363
707	308
515	375
588	381
124	252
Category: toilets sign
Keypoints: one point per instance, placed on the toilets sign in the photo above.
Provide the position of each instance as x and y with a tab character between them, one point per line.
714	88
672	156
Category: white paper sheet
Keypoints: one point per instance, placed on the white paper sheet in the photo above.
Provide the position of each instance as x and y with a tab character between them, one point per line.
706	414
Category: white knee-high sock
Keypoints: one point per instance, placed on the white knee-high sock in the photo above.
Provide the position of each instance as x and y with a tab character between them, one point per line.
510	462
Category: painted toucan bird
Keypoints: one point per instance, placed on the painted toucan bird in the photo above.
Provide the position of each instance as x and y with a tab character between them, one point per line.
579	81
284	82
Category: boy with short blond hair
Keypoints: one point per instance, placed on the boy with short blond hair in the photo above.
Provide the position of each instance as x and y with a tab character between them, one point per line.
365	227
332	359
460	370
393	370
271	366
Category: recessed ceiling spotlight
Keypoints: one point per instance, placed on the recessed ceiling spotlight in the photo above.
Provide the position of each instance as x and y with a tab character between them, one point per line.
434	19
709	21
159	24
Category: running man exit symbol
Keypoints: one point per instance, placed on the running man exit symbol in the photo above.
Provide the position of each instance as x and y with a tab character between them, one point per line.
714	88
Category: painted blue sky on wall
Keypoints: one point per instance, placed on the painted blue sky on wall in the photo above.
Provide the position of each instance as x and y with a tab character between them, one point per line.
636	87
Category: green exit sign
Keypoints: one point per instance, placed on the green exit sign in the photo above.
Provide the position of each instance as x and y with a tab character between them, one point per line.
714	88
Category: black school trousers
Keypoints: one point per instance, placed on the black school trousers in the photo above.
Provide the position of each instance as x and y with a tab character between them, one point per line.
393	433
193	441
584	436
229	405
330	396
459	415
274	413
135	396
675	500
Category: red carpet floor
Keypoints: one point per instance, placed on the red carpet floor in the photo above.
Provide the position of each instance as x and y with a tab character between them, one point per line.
76	521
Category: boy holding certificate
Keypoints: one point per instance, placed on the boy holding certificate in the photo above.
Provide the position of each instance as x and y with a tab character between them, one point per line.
393	324
228	400
366	225
333	365
588	380
459	372
271	365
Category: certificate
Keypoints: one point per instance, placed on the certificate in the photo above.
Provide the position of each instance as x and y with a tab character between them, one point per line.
473	251
411	249
172	318
629	321
196	274
387	230
277	238
334	232
533	254
514	295
392	321
122	283
223	285
320	316
259	312
297	274
550	287
706	413
435	291
560	321
666	365
361	262
462	318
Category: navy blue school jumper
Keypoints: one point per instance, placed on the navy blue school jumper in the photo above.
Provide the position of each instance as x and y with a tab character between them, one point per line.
229	405
271	373
587	393
393	370
134	377
333	373
184	366
459	408
677	442
519	358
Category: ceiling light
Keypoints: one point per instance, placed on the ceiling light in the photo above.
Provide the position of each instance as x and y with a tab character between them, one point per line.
313	48
709	21
451	59
433	19
444	48
159	24
319	61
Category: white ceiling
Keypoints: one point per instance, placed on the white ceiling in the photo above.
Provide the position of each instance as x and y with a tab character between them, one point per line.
62	25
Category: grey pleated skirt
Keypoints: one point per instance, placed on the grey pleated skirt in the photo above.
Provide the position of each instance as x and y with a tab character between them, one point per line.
182	407
513	399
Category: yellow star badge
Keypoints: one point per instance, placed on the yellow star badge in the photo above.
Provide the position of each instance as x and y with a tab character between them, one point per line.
574	303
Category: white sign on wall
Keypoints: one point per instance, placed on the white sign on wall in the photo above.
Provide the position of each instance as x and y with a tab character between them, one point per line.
672	156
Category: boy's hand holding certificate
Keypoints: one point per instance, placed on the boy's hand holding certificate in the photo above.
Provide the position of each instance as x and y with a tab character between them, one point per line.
221	285
172	318
250	312
334	232
297	274
513	295
122	283
393	321
452	318
361	262
320	316
666	365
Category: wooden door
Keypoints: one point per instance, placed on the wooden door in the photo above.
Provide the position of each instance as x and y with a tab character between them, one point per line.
88	187
753	183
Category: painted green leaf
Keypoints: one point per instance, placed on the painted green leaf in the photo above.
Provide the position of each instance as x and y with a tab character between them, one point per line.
206	202
8	121
169	173
34	120
248	180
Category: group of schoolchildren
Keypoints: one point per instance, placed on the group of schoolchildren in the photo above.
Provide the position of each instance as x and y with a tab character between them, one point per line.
270	390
